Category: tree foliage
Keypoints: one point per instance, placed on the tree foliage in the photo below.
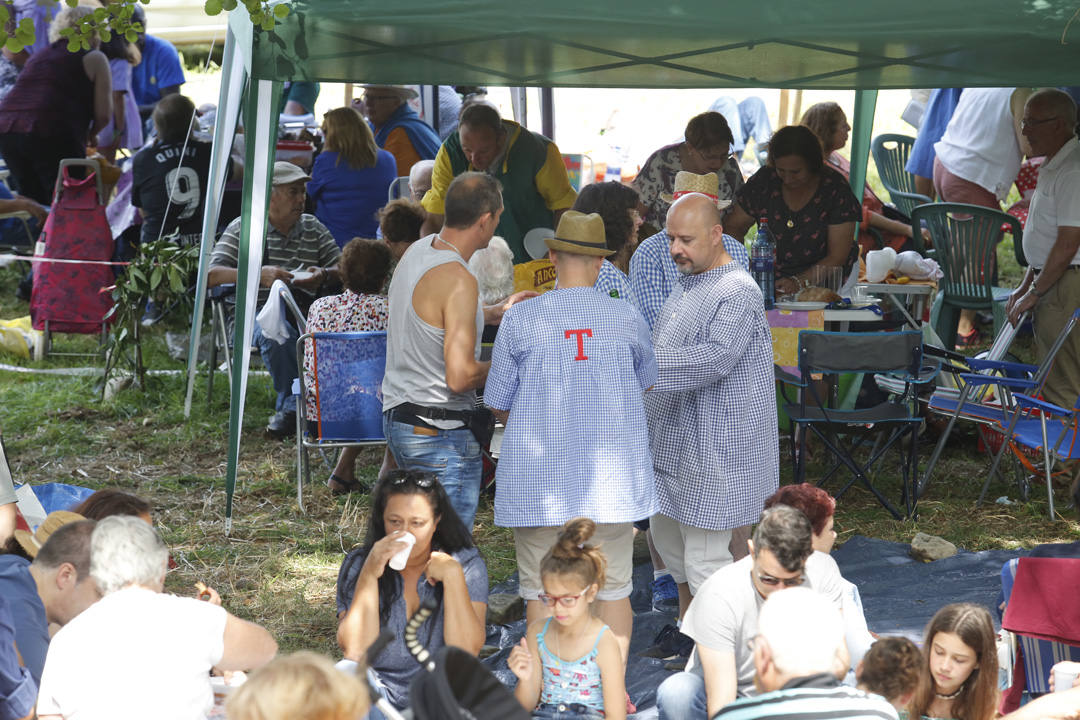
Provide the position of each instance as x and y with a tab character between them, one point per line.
116	17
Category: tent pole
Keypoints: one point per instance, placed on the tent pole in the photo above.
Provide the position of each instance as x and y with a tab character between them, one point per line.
547	111
862	130
519	102
260	131
232	83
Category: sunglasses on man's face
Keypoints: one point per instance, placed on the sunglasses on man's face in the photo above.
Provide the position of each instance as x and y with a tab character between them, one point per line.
775	581
567	601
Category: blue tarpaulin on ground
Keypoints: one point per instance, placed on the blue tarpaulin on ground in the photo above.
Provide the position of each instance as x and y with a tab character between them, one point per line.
899	595
59	496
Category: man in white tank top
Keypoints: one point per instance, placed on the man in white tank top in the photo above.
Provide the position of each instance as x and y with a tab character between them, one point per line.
433	344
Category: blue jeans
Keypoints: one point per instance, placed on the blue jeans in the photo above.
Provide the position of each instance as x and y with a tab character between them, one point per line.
280	361
747	119
682	697
452	455
573	711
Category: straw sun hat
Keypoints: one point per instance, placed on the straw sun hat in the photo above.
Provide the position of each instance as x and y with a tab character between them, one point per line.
688	182
31	542
580	234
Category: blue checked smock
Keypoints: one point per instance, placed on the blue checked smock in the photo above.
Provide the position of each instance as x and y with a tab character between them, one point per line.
653	273
613	282
571	366
712	412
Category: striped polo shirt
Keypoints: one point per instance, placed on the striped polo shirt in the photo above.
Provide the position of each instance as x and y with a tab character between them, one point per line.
308	243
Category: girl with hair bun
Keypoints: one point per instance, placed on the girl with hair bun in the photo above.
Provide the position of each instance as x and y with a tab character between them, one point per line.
572	667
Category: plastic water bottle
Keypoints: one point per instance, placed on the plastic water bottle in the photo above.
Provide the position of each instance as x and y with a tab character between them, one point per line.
763	261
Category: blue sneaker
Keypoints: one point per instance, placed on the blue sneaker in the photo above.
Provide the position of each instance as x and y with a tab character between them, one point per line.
665	594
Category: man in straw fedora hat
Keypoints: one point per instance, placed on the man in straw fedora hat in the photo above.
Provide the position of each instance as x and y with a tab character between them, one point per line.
652	271
712	416
567	376
397	127
53	586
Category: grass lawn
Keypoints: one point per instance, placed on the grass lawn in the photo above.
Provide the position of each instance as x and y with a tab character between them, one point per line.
279	567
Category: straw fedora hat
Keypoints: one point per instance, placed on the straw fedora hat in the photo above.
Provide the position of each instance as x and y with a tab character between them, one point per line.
688	182
31	542
580	234
405	92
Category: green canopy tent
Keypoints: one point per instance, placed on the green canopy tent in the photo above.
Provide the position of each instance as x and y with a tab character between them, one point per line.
861	45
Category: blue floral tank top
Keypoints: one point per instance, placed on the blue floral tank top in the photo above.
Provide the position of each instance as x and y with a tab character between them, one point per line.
570	681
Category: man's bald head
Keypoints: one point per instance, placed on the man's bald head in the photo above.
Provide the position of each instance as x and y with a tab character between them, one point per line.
1049	121
695	227
700	206
420	178
1055	102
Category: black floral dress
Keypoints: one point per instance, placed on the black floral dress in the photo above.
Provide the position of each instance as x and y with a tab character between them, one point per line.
802	237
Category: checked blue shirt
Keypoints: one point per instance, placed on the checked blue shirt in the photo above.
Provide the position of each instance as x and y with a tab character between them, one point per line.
613	282
572	366
712	412
653	273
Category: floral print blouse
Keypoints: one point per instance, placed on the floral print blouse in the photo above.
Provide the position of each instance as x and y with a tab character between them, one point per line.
802	236
347	312
658	176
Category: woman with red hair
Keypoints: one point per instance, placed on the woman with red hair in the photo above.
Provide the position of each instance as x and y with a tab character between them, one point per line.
819	507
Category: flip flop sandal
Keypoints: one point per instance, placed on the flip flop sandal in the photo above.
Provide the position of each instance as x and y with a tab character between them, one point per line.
970	340
340	486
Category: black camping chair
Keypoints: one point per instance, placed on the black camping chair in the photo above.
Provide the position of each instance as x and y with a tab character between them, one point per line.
844	431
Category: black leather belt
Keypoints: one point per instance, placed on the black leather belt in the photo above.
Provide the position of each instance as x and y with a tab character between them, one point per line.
410	414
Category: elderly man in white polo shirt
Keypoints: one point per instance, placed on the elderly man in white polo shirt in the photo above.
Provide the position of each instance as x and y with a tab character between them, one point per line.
1051	287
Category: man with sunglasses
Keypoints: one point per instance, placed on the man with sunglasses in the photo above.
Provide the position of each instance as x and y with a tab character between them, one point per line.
799	654
398	128
722	618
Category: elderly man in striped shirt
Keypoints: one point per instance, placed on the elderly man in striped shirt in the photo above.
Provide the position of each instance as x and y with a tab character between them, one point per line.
568	373
712	412
294	240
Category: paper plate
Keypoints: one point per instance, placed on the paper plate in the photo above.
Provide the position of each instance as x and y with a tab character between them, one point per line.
534	242
302	275
796	305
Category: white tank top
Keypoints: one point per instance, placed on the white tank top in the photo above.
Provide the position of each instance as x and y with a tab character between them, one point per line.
415	365
980	143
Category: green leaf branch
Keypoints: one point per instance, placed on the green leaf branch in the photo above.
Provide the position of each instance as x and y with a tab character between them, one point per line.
159	272
116	17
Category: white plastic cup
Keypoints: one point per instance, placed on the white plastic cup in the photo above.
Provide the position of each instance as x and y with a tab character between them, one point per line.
402	556
1063	679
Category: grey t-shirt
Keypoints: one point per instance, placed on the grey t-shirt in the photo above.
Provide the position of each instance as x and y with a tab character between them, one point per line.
723	615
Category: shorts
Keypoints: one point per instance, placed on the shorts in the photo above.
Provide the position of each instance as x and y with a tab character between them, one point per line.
691	554
615	539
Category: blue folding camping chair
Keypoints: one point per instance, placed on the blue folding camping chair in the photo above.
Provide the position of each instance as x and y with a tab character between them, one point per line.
1031	422
346	390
